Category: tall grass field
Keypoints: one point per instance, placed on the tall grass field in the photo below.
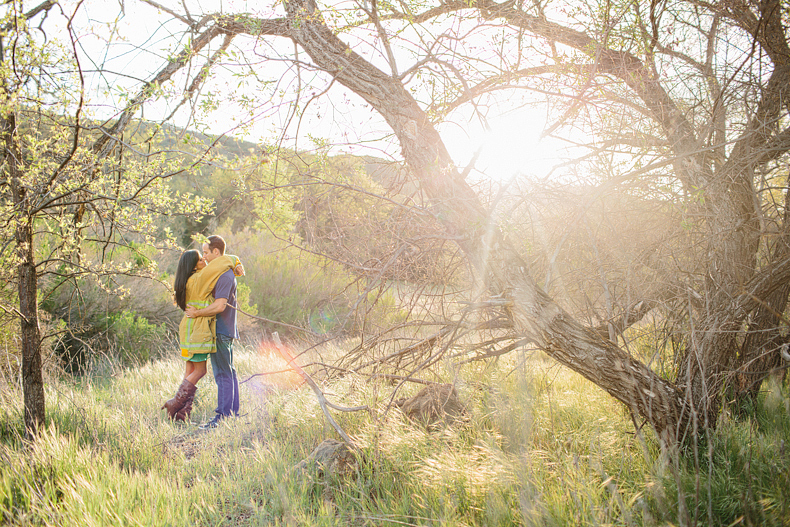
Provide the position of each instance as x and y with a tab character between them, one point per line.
538	445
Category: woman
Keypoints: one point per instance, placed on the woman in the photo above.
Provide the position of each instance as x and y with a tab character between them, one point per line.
193	286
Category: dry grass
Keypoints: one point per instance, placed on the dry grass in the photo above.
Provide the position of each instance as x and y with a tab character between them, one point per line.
541	446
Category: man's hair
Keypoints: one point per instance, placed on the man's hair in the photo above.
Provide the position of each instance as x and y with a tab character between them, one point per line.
216	242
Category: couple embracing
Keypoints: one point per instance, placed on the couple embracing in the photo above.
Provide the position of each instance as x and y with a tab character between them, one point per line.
205	289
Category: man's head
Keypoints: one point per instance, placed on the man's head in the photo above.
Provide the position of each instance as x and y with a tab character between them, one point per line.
214	248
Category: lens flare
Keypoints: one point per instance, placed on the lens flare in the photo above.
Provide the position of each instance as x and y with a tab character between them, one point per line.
274	369
323	320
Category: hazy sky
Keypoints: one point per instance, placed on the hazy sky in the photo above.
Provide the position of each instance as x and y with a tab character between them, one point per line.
133	40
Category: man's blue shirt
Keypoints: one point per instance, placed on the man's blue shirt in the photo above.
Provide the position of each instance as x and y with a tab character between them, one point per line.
226	288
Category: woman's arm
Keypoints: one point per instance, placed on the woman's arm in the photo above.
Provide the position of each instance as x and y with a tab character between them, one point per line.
202	282
238	269
235	262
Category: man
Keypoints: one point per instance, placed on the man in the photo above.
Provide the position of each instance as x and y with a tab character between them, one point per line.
224	308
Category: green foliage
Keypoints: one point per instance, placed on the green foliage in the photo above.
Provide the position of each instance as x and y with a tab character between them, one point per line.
245	190
243	293
134	337
743	470
70	192
127	320
122	338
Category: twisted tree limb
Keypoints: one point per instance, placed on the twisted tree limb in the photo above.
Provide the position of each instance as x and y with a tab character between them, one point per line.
322	402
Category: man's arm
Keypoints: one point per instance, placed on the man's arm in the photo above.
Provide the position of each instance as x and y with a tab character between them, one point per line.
218	306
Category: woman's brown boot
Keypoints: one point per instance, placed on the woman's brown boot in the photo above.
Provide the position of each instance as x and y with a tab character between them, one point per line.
185	392
183	413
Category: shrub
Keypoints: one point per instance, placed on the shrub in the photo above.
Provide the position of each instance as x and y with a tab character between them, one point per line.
96	322
303	289
134	337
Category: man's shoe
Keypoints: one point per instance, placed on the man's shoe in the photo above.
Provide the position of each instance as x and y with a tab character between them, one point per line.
213	423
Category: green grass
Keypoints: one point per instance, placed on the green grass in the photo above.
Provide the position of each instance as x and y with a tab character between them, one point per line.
540	446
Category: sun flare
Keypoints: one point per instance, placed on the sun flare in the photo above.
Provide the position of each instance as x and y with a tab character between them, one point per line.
509	146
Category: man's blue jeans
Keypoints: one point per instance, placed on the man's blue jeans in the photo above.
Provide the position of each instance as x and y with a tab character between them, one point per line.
225	377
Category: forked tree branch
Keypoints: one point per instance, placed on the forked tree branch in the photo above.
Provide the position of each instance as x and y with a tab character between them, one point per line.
322	401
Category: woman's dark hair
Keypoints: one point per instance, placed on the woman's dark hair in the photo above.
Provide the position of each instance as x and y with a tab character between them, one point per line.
186	266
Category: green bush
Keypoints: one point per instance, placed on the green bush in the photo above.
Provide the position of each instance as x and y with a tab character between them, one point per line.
134	337
95	322
302	289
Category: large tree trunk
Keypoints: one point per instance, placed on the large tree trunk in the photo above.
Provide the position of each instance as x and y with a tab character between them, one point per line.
715	356
32	376
582	349
725	189
760	350
733	240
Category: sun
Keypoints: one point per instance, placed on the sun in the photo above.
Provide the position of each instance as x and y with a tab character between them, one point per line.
508	145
